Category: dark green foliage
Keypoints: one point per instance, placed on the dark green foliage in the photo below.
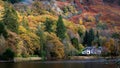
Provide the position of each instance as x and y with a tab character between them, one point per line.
48	25
80	33
116	35
3	30
42	50
85	39
61	29
75	43
53	54
8	55
13	1
10	18
89	37
97	34
98	38
65	9
101	26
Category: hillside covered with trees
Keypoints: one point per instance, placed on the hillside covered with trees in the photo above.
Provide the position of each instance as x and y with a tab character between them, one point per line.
58	29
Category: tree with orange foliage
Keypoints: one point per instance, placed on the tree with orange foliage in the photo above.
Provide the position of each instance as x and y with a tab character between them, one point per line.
54	46
110	47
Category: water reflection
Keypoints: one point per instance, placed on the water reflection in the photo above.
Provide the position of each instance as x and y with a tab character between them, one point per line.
59	64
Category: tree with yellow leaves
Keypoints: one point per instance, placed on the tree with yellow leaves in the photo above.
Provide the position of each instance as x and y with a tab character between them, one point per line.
55	47
80	21
111	47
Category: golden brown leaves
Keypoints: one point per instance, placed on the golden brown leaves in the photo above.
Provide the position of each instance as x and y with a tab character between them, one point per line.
56	46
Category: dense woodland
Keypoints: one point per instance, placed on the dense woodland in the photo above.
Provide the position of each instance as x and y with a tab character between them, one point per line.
38	29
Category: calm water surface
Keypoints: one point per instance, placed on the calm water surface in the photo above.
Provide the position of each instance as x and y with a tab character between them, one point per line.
62	64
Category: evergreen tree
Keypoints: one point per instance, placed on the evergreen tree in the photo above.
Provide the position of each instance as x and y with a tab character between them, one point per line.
96	40
80	33
75	43
60	29
91	37
3	30
85	39
48	25
8	54
10	18
42	51
98	37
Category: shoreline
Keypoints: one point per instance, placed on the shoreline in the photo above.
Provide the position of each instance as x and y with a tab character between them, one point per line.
21	59
91	57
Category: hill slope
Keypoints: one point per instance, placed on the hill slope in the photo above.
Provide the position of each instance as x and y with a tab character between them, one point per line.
58	29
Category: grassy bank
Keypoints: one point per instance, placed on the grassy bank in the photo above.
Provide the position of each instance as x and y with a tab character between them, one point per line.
20	59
